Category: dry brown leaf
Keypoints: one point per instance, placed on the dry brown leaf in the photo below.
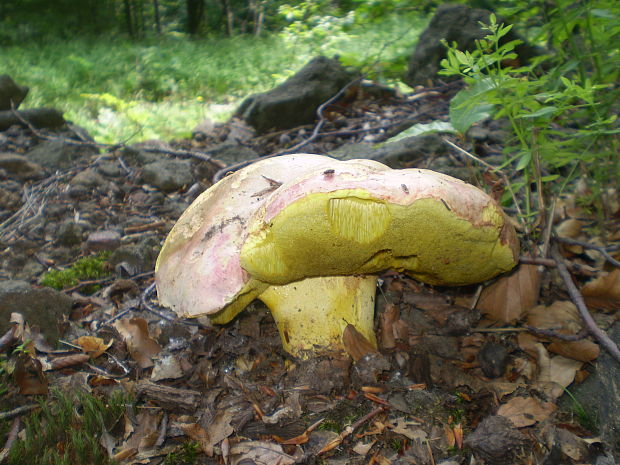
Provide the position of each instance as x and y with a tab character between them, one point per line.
561	316
198	434
556	373
362	449
141	346
29	375
526	411
259	452
570	228
603	292
408	428
93	346
355	343
508	298
528	344
58	363
583	350
220	428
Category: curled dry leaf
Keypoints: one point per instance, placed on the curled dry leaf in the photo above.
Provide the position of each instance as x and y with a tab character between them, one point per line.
198	434
29	375
603	292
93	346
526	411
508	298
58	363
570	228
356	344
141	346
583	350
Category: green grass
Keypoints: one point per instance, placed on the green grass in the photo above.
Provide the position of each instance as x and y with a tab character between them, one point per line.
161	88
86	268
67	431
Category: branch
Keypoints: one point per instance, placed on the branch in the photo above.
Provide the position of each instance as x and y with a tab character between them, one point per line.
577	299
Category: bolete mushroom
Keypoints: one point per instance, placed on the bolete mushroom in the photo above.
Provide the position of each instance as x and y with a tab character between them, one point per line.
307	235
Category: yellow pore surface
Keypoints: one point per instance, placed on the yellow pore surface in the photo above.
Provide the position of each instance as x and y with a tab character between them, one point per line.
349	232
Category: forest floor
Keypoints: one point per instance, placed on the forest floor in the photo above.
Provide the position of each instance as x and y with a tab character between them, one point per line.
462	375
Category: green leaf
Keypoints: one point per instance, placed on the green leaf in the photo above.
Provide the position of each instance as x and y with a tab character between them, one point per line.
525	159
422	128
544	111
469	106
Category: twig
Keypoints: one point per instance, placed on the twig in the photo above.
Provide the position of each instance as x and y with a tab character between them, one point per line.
598	248
577	299
350	429
18	412
573	267
319	111
12	436
492	168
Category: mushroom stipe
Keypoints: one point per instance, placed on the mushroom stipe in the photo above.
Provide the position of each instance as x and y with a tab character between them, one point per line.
310	245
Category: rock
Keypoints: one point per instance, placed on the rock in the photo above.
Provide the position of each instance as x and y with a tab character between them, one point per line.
295	101
599	394
37	117
69	233
496	440
129	260
168	175
57	154
109	169
493	358
42	307
403	153
18	166
454	23
11	94
229	154
88	178
103	240
135	154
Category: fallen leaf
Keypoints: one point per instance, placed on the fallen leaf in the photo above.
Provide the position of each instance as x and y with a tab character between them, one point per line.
29	375
260	452
220	428
141	346
603	292
167	367
583	350
526	411
570	228
556	373
198	434
561	316
355	343
408	428
508	298
362	449
93	346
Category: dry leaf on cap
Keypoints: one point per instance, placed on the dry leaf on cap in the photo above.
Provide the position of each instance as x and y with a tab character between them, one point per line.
510	296
603	292
141	346
526	411
93	346
259	452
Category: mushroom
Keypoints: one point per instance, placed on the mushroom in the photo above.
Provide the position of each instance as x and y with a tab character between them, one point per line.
307	235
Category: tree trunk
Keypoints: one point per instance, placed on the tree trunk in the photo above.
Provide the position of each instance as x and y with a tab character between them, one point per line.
128	19
156	13
195	14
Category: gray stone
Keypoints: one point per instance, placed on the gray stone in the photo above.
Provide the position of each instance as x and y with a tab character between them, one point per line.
69	233
168	175
109	169
41	307
103	240
453	23
56	154
88	178
599	394
228	153
11	94
295	101
403	153
20	167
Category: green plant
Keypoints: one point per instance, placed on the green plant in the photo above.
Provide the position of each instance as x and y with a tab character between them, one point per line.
587	420
186	455
560	123
92	267
67	430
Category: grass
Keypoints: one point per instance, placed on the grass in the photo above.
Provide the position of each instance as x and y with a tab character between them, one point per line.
67	431
162	87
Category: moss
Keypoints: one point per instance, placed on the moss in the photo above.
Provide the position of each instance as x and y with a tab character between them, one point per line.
186	455
67	430
85	268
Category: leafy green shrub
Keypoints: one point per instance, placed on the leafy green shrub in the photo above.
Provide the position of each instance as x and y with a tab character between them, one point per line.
67	430
92	267
561	118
